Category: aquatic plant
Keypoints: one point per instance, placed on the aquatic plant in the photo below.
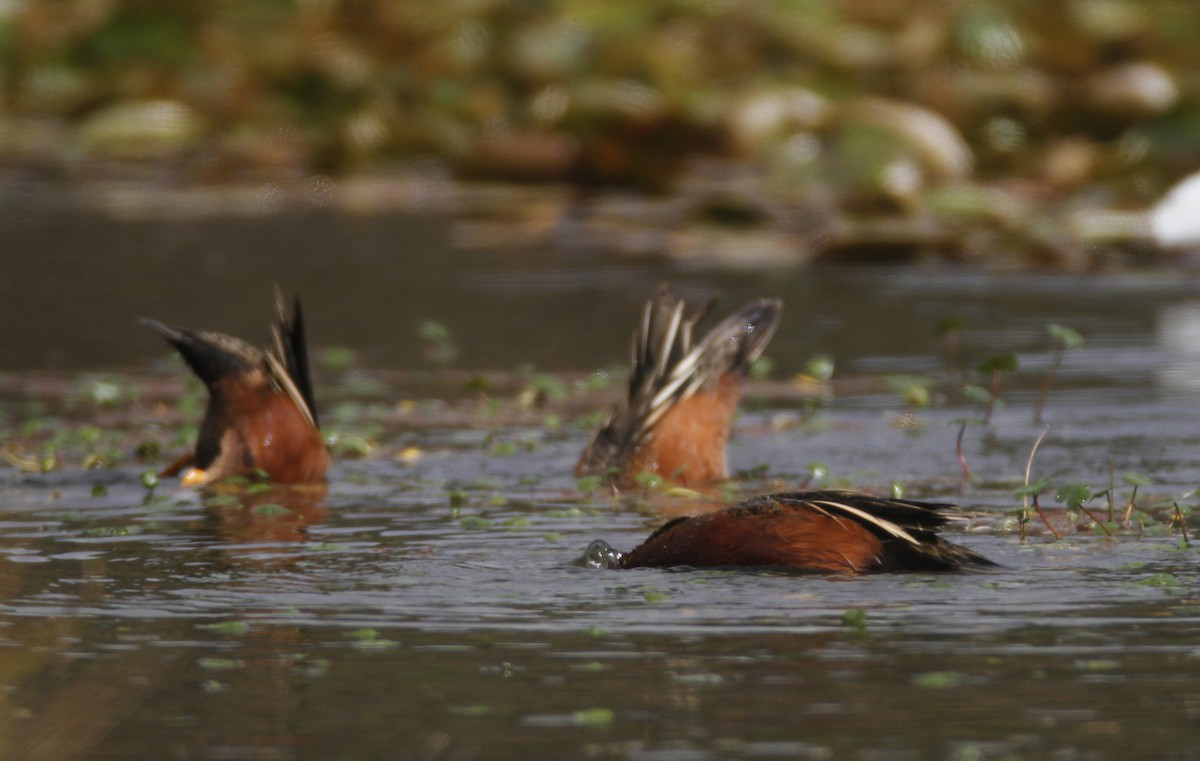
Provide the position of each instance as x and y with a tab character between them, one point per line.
1066	339
995	366
815	473
437	345
539	389
1137	481
1028	490
814	385
1181	520
1076	496
950	331
958	446
1033	491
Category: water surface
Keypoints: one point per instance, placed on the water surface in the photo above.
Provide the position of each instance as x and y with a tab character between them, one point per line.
431	607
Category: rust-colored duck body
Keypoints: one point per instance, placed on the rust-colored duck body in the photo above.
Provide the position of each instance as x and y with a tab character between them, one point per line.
260	414
817	531
675	417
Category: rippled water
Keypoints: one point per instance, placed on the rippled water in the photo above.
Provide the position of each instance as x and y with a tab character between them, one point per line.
433	608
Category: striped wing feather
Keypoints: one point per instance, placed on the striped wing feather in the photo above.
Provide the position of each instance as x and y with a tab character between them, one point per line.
668	367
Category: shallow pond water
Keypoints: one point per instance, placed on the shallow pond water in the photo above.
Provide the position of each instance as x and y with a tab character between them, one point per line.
429	604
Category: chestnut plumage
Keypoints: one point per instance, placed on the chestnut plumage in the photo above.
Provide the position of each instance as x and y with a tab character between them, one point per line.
260	415
819	531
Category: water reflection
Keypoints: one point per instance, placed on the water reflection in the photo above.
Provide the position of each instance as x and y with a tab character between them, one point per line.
241	515
1178	334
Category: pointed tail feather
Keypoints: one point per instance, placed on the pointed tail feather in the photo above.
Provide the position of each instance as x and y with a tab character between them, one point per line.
290	349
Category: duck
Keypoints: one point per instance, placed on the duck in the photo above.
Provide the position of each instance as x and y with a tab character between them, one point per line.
820	531
261	416
675	415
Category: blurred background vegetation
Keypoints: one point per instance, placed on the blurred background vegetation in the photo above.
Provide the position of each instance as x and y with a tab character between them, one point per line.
953	113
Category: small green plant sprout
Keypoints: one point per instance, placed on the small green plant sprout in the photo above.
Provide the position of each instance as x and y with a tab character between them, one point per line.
820	368
437	346
950	329
1066	338
649	480
817	472
761	368
589	484
349	445
995	366
813	385
855	619
1181	519
914	391
760	472
598	380
1136	480
337	359
1033	490
1111	490
540	388
149	480
1075	496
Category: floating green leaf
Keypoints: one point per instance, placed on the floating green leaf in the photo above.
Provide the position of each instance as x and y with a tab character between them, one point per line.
588	484
1000	363
648	480
855	618
1136	479
1066	336
220	664
593	717
1073	495
761	368
228	628
820	367
939	680
271	509
1032	489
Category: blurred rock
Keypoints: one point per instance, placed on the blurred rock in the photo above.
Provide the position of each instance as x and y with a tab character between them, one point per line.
525	155
140	130
706	245
943	153
885	239
767	118
1175	220
967	93
846	46
921	40
549	51
1105	226
989	38
967	204
31	140
1132	90
57	88
1070	162
1108	20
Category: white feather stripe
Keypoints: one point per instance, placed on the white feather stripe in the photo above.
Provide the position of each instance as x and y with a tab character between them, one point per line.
668	343
887	526
681	375
280	375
